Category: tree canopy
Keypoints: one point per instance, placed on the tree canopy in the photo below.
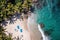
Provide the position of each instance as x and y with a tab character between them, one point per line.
9	7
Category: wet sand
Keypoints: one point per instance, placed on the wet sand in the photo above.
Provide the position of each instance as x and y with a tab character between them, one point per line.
33	28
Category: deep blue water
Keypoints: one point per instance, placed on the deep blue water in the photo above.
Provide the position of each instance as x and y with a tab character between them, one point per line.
50	17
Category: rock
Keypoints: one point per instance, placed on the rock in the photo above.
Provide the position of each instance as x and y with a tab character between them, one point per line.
42	25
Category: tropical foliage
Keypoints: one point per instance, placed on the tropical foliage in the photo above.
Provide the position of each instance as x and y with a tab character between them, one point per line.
3	36
7	9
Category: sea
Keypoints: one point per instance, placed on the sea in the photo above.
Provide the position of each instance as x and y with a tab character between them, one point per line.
50	16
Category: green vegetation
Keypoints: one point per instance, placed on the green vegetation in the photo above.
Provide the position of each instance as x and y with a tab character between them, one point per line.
3	36
8	9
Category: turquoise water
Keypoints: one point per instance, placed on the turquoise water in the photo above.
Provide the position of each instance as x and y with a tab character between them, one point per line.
50	17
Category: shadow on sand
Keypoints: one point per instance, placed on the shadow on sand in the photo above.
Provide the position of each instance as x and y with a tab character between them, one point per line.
11	20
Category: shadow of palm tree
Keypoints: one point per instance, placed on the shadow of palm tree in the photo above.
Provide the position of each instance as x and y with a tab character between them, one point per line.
4	23
14	18
17	15
11	19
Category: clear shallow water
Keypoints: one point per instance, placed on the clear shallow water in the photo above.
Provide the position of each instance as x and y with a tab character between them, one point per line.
50	17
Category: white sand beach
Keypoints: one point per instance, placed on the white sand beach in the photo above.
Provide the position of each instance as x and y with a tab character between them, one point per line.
29	26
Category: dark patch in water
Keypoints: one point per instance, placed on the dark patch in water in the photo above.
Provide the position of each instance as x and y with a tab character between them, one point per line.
58	4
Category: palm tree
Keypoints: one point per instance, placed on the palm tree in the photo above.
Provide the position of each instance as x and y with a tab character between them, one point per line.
7	10
9	37
2	34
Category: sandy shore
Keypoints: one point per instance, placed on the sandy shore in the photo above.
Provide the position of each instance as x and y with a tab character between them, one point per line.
12	28
29	26
33	28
